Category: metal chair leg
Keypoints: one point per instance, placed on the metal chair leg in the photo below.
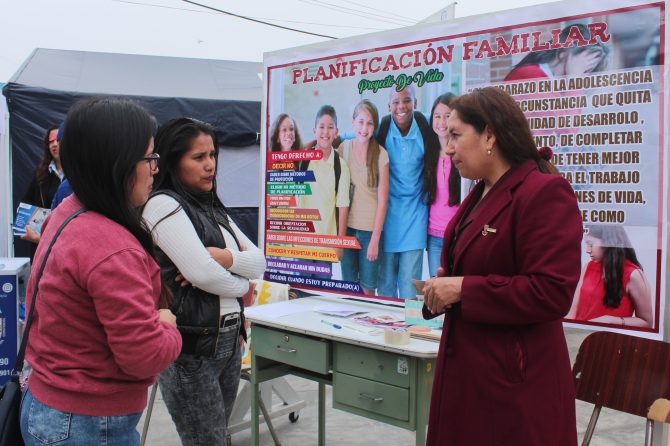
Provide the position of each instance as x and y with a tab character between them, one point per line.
592	425
147	418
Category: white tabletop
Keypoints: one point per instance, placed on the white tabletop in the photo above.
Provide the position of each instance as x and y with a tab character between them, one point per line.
298	316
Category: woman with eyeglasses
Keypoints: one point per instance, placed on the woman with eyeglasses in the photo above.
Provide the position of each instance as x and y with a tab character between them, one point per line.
98	339
207	261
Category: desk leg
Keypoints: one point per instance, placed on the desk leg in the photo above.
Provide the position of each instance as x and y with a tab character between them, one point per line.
254	402
425	386
322	414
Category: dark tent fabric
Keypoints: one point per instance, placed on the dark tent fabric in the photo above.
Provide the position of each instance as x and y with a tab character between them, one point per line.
225	94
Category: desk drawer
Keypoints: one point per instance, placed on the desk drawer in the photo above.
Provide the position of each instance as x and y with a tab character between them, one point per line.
371	396
289	348
386	367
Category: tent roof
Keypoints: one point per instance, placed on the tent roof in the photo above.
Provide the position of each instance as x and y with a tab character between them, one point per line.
138	75
226	94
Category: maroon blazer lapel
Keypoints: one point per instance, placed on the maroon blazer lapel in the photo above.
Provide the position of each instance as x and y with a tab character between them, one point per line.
449	233
498	198
450	230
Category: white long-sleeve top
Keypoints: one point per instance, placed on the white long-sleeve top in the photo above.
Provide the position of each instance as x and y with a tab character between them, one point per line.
177	238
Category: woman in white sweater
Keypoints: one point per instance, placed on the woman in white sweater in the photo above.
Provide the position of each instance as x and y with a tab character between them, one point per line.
199	242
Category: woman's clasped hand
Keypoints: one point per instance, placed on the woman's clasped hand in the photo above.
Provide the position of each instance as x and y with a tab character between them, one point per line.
440	293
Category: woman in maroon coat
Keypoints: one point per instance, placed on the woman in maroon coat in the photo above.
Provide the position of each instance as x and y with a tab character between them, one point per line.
510	266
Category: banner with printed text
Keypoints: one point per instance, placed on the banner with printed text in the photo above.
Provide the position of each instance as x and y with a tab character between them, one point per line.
346	216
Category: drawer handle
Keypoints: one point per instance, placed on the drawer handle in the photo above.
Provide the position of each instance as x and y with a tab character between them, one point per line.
368	396
286	350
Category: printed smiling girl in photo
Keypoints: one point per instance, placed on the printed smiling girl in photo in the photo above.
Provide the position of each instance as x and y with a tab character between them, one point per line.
284	135
368	165
442	182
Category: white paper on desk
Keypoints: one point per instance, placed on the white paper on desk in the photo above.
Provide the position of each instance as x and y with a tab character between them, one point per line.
277	310
338	310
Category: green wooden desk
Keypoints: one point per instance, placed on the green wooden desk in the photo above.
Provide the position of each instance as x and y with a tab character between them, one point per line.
387	383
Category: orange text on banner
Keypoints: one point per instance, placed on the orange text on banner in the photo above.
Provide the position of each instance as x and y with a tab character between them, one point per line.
282	165
281	200
314	240
326	254
293	214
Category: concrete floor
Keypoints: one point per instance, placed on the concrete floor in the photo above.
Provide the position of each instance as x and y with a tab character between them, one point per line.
613	429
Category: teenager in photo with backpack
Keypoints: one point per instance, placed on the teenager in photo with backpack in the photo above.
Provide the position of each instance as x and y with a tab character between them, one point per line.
404	133
368	165
330	189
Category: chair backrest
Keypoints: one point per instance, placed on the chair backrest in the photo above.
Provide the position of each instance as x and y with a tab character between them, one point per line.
622	372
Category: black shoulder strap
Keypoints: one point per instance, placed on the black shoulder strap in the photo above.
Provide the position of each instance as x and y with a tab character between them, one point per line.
424	127
383	130
338	171
427	134
18	366
304	165
421	121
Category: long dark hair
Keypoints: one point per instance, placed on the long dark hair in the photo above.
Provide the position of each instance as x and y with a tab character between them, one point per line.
493	108
42	171
432	156
616	249
173	140
548	56
103	140
275	146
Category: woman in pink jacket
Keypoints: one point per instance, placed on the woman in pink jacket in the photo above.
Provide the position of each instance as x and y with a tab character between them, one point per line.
98	339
